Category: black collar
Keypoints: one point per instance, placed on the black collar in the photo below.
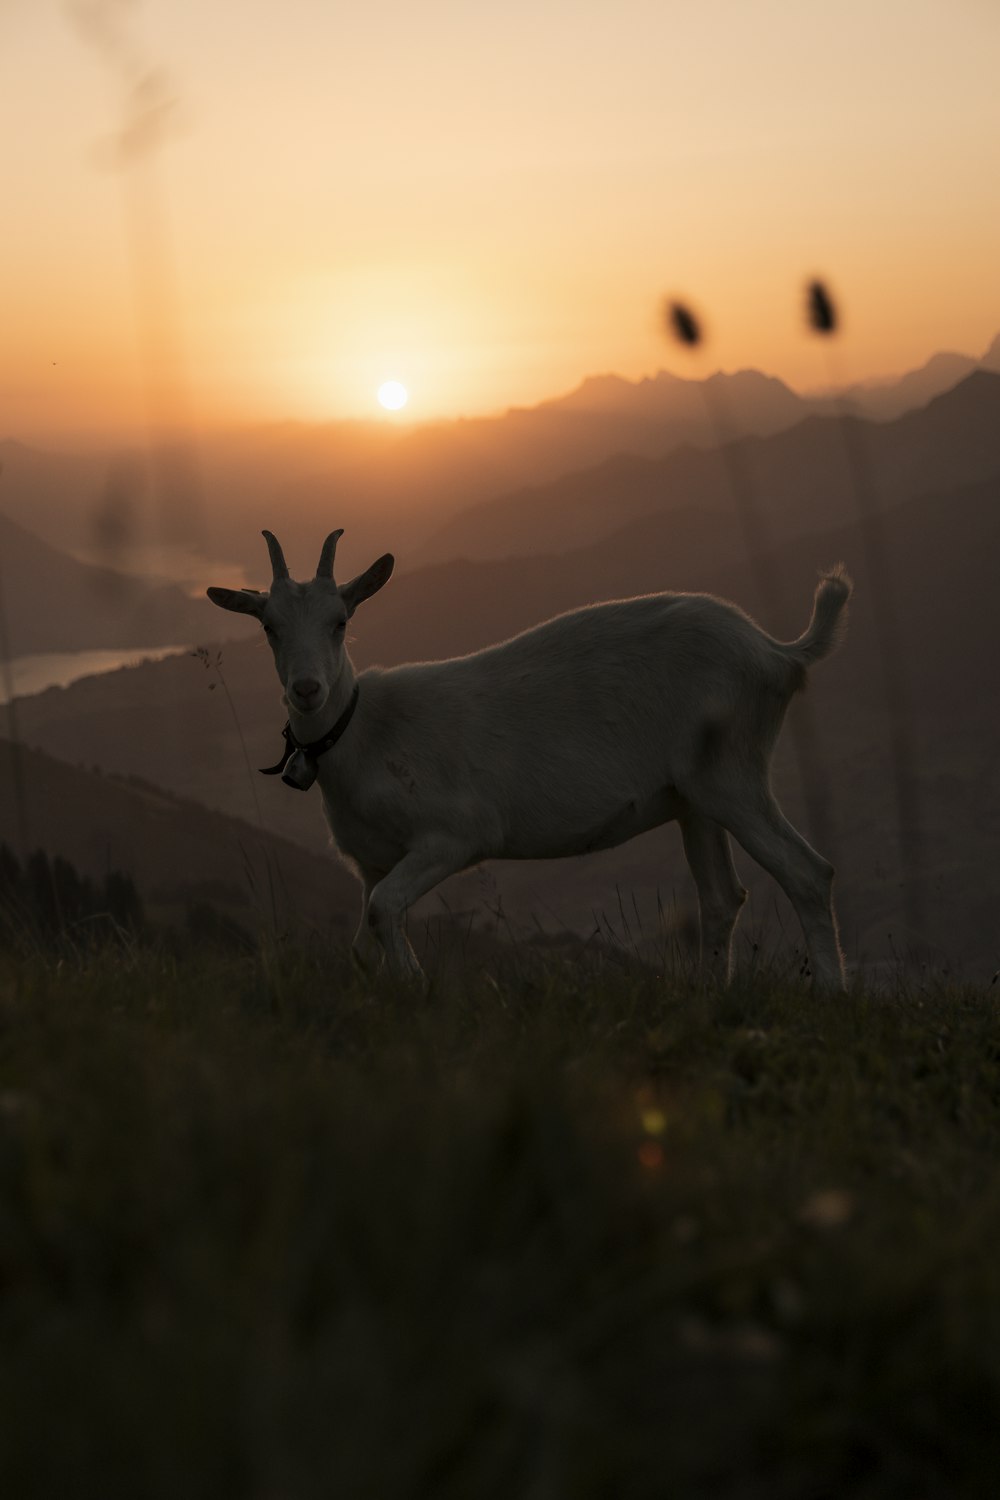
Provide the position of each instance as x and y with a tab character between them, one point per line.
315	748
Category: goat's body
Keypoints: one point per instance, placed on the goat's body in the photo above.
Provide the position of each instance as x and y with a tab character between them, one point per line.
574	736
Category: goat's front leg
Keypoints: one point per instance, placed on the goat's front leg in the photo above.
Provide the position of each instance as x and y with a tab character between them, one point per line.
418	872
365	950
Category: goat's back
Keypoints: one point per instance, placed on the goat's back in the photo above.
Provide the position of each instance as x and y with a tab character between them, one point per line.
608	680
665	642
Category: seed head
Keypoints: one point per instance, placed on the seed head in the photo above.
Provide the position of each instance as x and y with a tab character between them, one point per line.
683	324
821	310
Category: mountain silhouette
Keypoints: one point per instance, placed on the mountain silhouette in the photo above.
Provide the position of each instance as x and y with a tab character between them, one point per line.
887	399
800	479
52	603
376	478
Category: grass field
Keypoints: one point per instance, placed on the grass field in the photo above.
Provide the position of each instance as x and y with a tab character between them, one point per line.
557	1230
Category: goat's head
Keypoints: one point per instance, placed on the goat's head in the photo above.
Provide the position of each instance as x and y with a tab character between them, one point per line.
305	622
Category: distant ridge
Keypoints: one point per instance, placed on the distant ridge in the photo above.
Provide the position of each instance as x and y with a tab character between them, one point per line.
966	407
760	403
410	483
55	604
890	398
991	359
800	475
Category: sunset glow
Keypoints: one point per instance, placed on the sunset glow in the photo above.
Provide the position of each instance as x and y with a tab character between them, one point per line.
180	254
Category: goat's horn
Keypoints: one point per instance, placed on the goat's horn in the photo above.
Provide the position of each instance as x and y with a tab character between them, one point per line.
329	552
279	568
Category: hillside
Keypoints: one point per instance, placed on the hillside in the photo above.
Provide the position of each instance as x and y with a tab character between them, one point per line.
52	602
178	852
569	1229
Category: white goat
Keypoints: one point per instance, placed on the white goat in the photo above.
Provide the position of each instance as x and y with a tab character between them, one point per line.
576	735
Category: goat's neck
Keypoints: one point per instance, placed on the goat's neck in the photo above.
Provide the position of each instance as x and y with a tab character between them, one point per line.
310	727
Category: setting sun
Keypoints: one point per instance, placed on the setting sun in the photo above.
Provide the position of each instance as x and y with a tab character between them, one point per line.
393	395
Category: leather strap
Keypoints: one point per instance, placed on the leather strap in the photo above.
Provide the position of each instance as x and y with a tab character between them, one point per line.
315	748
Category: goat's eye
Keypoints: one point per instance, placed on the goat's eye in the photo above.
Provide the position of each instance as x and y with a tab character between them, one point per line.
339	629
270	632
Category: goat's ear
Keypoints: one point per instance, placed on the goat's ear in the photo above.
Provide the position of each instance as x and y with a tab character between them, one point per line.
243	601
361	588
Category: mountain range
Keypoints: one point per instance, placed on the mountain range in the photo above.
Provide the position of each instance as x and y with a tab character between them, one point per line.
796	480
192	507
886	399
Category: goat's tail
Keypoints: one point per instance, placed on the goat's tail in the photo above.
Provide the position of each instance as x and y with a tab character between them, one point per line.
826	628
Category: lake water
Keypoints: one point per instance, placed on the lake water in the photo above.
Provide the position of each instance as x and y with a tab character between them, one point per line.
32	674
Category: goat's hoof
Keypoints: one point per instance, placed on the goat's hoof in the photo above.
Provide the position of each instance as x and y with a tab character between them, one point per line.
418	983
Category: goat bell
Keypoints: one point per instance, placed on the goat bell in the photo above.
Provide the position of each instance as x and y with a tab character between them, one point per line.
300	772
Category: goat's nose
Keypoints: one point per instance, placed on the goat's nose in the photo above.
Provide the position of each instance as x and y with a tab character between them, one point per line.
305	688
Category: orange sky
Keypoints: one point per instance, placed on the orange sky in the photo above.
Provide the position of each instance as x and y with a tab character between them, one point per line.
487	205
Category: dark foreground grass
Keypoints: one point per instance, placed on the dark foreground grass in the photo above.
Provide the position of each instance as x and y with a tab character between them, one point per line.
268	1232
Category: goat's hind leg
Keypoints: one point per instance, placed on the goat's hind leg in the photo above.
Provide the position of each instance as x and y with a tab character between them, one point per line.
755	820
720	894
